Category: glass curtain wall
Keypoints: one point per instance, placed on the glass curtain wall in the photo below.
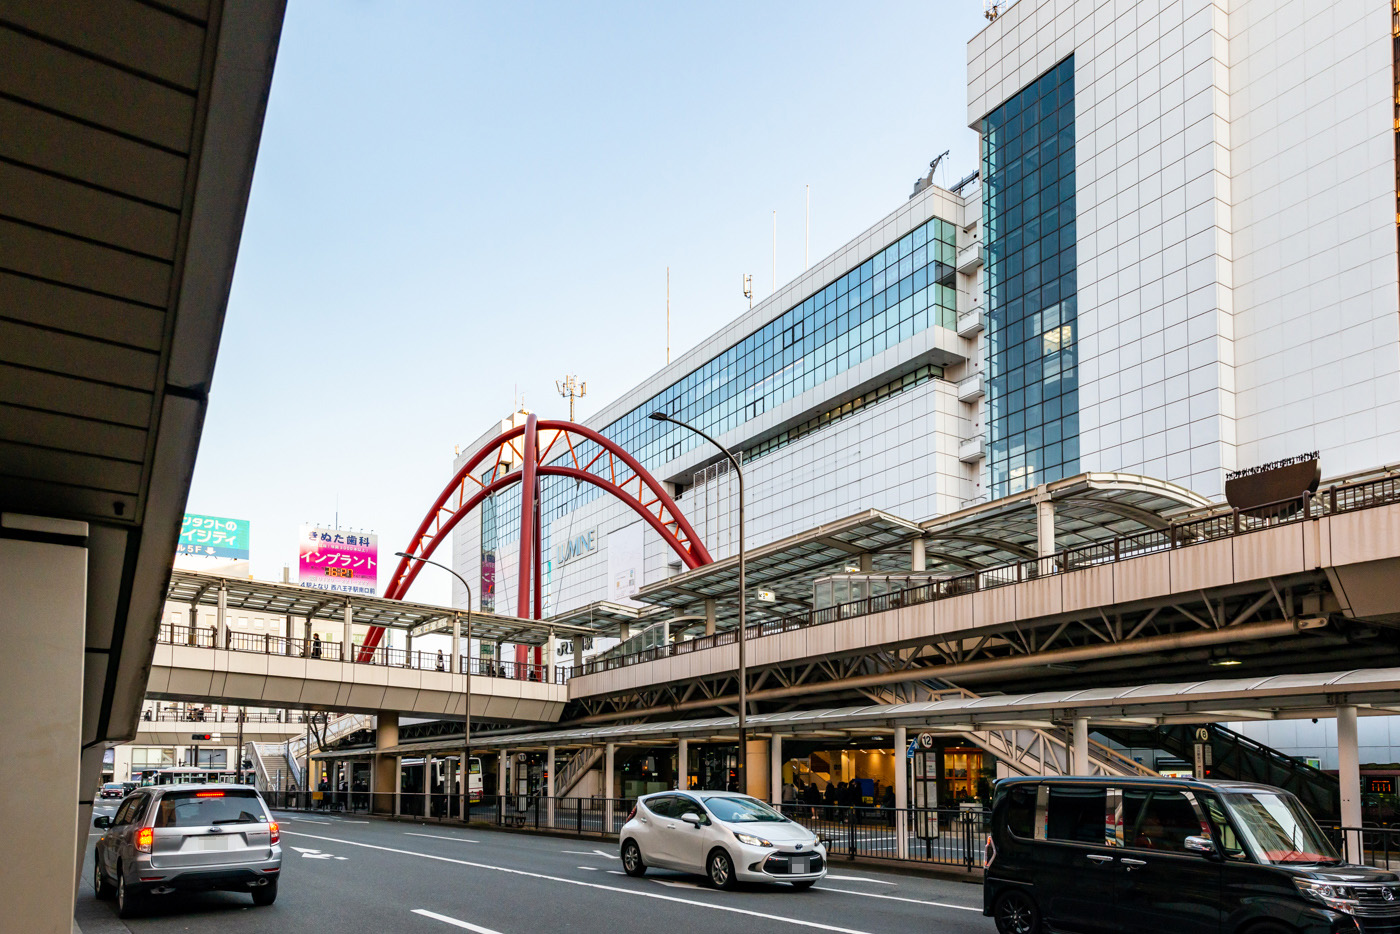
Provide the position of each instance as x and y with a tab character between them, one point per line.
1029	220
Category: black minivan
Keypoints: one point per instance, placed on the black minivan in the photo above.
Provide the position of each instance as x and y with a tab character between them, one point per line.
1180	856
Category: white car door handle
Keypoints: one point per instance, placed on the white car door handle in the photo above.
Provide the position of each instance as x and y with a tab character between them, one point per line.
1132	864
1099	858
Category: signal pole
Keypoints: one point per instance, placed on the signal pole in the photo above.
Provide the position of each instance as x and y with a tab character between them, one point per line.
571	389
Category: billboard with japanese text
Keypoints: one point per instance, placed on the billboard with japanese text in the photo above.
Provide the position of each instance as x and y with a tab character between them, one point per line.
213	537
334	559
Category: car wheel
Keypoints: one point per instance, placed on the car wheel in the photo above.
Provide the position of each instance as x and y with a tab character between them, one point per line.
632	859
721	869
265	894
1015	913
804	885
128	902
100	885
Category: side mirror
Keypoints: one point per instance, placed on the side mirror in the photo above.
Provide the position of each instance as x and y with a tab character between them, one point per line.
1201	846
692	819
102	822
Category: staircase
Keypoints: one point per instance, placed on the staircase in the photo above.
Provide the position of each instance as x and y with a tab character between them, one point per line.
337	728
1239	758
270	763
574	768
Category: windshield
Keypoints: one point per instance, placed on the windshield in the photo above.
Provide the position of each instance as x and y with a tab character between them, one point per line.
1277	829
742	810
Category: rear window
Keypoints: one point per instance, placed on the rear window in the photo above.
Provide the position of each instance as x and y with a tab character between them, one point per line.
198	809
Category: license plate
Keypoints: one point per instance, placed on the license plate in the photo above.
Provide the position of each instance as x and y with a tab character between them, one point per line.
211	843
798	864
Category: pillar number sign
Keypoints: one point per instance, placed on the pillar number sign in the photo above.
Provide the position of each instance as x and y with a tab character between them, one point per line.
925	787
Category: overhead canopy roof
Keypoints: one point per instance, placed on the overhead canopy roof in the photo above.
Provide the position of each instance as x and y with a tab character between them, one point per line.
1088	507
301	602
1375	690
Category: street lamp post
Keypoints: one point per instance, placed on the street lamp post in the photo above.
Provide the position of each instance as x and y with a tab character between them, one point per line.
743	756
467	706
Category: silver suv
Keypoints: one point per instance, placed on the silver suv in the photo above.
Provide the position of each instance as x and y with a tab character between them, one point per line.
171	838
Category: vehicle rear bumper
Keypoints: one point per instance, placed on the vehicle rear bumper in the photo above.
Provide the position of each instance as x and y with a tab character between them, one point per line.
242	878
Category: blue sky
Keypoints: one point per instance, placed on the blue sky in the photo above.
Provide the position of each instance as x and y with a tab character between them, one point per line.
456	202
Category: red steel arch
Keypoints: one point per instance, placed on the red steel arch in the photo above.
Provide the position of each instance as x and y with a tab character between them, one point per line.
522	455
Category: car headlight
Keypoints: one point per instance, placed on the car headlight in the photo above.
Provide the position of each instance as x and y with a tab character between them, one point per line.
1336	896
750	839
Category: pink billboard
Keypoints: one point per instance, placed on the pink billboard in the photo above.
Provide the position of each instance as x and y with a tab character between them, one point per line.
333	559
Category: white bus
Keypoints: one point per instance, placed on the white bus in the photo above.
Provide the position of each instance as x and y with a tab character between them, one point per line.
183	775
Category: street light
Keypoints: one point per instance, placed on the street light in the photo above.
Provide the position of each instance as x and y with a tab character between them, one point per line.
467	707
743	756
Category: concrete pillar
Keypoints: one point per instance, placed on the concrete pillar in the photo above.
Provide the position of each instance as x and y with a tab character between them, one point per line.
1079	749
347	638
578	650
398	785
624	631
609	757
758	773
427	783
867	563
775	764
1045	528
306	638
502	779
710	605
43	617
193	624
901	792
456	666
384	779
918	560
549	773
1349	778
221	618
287	633
683	765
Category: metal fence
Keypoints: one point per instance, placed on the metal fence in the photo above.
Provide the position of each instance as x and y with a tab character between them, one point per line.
266	643
1371	846
935	836
1350	497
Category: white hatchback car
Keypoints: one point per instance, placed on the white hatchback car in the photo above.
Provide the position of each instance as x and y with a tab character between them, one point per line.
725	836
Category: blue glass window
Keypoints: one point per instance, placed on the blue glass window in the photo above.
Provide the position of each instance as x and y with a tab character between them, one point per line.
1028	220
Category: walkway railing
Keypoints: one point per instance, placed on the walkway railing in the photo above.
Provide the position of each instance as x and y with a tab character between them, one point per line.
934	836
325	650
215	714
1342	498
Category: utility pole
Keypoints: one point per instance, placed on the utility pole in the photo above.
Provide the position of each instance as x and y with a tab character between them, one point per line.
571	389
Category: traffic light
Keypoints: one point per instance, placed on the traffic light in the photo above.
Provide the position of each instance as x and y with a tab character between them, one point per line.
201	737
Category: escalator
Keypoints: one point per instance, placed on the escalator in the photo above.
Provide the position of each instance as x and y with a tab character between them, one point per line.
1237	757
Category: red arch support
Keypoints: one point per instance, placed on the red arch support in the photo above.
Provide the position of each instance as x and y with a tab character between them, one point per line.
526	453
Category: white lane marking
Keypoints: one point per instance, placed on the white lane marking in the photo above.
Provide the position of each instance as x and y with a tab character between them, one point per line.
592	853
341	820
435	836
596	885
313	854
860	879
896	898
453	921
676	884
615	872
589	868
307	820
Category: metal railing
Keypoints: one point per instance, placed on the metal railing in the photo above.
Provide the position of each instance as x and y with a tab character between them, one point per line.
323	649
935	836
1228	523
214	714
1377	846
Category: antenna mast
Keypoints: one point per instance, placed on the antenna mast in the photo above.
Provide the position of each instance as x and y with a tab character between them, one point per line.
571	389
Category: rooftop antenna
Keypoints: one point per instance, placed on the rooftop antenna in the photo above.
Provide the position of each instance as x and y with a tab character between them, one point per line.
748	288
927	181
571	389
991	9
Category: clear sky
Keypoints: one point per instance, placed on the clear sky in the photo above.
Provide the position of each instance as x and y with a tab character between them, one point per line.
456	204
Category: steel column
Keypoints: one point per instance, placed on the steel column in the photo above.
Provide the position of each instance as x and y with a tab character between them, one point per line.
1349	776
527	517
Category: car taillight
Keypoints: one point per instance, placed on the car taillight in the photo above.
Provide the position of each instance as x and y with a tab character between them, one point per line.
208	794
632	813
144	837
274	832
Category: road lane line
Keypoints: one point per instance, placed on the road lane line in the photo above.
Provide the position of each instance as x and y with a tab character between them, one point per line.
437	836
896	898
595	885
860	879
453	921
592	853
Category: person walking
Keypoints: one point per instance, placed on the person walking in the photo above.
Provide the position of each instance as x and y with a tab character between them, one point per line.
315	646
441	665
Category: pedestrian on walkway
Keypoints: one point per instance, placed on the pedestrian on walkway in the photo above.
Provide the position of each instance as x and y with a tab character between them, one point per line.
441	666
315	646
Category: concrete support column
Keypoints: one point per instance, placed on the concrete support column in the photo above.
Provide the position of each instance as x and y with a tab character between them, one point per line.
193	623
287	632
918	560
710	606
408	650
502	779
427	783
1349	778
306	638
757	776
683	764
221	619
609	756
456	666
901	792
578	650
1079	749
867	563
1045	528
549	774
624	632
384	779
775	763
347	638
398	785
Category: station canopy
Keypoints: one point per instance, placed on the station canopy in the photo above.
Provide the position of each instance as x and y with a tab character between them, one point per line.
251	596
1088	507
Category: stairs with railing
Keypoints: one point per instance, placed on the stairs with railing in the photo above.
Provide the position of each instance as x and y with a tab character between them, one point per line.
336	729
574	768
270	766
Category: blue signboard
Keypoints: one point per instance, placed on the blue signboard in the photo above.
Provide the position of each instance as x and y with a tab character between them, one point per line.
213	537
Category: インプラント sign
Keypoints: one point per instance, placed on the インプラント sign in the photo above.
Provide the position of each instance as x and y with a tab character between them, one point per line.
334	559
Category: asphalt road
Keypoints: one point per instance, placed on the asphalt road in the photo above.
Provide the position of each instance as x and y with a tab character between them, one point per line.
354	874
